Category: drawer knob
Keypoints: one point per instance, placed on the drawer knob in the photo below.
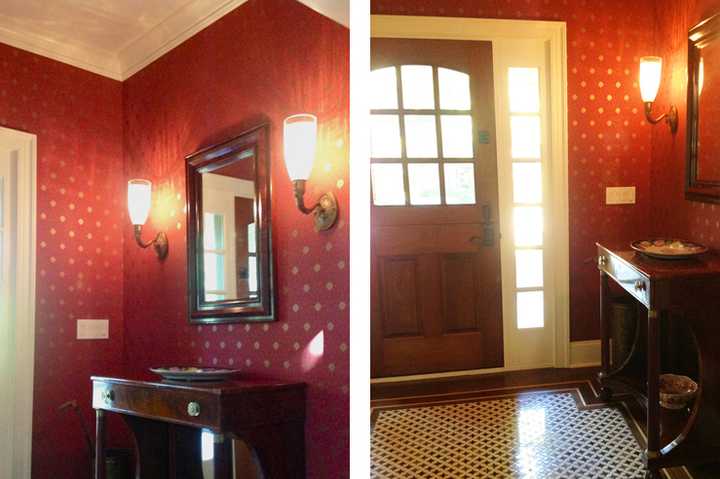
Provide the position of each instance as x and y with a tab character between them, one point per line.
108	396
193	409
602	260
639	285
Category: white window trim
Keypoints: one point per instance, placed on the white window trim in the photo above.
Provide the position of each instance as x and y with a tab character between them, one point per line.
24	146
556	241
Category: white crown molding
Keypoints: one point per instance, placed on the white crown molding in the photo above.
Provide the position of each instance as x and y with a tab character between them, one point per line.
142	51
96	61
337	10
178	27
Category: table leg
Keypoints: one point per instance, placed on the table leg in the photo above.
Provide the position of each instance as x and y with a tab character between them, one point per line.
605	392
222	457
99	444
653	392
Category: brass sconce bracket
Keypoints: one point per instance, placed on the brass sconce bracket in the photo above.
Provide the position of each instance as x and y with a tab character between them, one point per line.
671	117
160	243
325	210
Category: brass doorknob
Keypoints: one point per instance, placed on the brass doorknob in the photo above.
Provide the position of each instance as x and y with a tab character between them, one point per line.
193	409
602	260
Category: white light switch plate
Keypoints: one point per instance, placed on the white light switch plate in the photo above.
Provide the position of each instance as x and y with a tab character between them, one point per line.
620	195
93	329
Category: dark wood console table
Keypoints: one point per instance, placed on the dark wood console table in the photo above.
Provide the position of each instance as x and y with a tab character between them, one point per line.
688	288
167	419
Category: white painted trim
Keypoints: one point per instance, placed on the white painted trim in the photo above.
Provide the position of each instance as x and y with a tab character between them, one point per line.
24	145
554	35
174	30
585	353
95	61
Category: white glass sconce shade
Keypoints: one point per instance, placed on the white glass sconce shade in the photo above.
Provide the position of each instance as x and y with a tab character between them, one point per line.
299	142
650	75
139	200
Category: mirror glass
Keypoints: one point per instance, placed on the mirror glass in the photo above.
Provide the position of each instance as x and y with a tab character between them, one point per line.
230	265
228	229
708	141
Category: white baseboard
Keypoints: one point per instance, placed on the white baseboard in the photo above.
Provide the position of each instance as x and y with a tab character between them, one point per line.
584	353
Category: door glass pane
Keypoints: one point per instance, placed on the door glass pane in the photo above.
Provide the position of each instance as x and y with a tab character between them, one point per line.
385	136
214	269
213	231
420	136
459	183
529	268
525	132
383	89
530	309
417	87
523	86
528	224
388	186
454	89
424	181
457	136
527	183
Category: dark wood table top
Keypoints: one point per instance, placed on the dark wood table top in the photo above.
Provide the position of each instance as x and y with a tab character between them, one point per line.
230	387
707	264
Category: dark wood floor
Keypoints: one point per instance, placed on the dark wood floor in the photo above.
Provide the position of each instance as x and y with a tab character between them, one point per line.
430	389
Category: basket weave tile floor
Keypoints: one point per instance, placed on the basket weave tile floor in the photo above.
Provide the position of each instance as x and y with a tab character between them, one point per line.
540	435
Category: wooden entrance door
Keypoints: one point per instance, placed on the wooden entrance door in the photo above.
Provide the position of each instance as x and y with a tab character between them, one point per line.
436	287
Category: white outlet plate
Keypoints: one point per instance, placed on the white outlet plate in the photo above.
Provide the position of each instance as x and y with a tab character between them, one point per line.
620	195
93	329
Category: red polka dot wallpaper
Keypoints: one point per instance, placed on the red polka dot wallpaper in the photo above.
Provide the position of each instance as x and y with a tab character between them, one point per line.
264	61
77	117
609	140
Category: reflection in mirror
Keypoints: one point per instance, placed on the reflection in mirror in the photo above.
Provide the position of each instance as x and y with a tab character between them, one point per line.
703	109
228	211
708	141
229	252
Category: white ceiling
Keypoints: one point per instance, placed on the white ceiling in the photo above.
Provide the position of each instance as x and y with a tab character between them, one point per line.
117	38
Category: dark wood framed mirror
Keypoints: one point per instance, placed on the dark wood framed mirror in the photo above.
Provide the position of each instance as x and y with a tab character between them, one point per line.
703	109
230	262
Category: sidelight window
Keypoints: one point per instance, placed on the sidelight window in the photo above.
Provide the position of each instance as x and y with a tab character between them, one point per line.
528	217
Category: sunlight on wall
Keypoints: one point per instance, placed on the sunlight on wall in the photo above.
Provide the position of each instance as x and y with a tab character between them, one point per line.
313	351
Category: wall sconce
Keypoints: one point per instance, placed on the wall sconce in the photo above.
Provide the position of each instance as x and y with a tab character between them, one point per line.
139	201
650	75
299	139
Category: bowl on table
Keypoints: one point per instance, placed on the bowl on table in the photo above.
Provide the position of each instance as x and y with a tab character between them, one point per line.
676	391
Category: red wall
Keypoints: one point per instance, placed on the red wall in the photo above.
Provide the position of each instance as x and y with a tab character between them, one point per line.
673	214
609	140
262	62
77	118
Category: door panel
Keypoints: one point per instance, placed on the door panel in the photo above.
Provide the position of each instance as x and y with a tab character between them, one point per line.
436	292
459	306
398	279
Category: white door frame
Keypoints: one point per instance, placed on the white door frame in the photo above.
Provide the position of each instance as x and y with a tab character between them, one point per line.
556	236
21	151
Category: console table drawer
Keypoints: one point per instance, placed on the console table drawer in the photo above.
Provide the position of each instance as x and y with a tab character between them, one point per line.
630	279
193	408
